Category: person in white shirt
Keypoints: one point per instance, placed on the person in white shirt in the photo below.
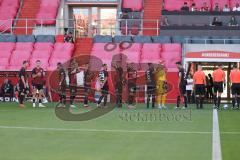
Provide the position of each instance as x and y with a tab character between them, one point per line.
226	8
189	88
236	8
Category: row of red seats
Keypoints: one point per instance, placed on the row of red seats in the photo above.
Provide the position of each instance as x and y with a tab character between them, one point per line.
13	54
141	53
8	11
134	5
172	5
48	12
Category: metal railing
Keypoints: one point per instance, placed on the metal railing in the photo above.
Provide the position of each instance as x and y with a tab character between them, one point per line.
80	28
209	41
9	26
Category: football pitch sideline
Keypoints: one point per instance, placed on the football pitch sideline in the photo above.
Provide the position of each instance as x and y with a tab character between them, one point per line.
37	134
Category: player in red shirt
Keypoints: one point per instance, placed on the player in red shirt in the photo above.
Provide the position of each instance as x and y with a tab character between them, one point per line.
38	81
72	73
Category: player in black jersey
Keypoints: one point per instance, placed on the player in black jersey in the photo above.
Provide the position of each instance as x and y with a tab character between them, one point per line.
62	84
132	86
72	74
103	80
23	84
38	81
88	77
151	85
118	80
182	82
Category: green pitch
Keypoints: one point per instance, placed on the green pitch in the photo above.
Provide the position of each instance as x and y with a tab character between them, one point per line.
37	134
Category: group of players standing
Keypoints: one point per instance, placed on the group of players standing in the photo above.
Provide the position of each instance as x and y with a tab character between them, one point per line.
155	77
219	83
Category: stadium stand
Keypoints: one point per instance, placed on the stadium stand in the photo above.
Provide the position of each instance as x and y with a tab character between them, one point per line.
136	5
131	17
47	12
8	11
173	5
15	49
28	11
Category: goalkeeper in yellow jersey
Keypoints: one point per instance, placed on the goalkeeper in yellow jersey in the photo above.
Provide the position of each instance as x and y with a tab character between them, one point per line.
161	86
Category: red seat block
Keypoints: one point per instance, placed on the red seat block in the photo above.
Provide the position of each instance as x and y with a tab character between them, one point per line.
171	47
41	54
24	46
136	5
7	46
43	46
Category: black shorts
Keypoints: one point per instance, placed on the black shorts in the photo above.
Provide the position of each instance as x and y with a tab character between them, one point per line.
151	89
132	88
87	88
37	86
73	89
22	89
104	89
199	89
218	87
235	88
182	89
63	88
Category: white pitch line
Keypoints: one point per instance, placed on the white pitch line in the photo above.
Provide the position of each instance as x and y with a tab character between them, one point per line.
216	143
103	130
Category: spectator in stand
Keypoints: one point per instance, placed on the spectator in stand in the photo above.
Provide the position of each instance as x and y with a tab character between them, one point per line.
7	89
185	7
237	7
216	22
124	15
233	21
193	7
165	22
69	38
226	8
205	8
216	8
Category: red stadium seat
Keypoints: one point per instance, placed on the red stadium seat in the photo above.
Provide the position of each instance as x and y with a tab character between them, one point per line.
151	47
17	58
41	54
21	54
64	47
173	5
7	46
47	12
61	54
171	47
234	2
136	5
43	46
4	61
199	3
132	56
103	55
105	47
59	38
131	47
5	54
5	24
8	11
221	3
170	58
27	46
